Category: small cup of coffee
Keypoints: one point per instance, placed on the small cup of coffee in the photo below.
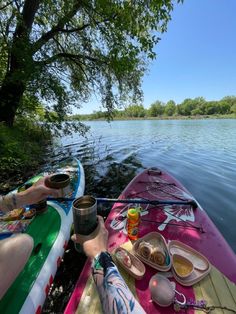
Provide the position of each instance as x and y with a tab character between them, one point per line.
59	181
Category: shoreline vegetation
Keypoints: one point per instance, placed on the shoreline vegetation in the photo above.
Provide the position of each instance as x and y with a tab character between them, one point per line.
203	117
197	108
23	149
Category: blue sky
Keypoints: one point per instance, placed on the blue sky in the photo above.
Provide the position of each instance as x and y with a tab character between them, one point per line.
195	57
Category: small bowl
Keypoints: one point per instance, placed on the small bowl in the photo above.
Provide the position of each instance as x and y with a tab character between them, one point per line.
58	181
183	267
137	268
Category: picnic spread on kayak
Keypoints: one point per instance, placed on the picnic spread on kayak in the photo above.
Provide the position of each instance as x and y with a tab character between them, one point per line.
168	251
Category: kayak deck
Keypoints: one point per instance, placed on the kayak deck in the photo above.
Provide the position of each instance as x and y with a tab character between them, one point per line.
183	223
43	241
50	231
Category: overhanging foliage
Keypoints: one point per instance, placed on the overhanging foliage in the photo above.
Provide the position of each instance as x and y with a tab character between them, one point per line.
61	52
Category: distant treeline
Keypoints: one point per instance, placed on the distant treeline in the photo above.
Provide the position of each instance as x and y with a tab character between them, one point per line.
189	107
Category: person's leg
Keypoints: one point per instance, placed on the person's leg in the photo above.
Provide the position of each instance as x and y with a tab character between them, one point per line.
14	253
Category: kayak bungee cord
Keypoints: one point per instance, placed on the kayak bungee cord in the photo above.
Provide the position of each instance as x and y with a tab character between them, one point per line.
157	182
184	221
145	201
122	218
189	226
159	189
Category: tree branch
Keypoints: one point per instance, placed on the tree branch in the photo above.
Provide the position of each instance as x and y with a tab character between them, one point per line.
59	44
80	28
18	6
3	33
11	18
78	63
55	29
29	10
6	5
66	55
60	28
25	21
74	30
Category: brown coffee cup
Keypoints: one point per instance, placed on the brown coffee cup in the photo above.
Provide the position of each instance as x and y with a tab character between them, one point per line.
59	181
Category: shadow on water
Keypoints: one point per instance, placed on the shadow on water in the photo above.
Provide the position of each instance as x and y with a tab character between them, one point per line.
112	183
104	175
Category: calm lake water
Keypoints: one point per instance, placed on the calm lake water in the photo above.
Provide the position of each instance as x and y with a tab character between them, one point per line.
201	154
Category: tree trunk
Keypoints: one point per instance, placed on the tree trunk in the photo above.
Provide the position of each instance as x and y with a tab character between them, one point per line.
20	56
11	93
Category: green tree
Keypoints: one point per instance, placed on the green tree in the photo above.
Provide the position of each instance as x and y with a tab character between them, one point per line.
170	108
31	108
186	107
135	111
211	107
198	111
231	101
63	51
156	109
233	109
223	107
191	106
198	106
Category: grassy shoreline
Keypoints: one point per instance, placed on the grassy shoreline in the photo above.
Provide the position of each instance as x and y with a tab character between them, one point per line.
203	117
22	152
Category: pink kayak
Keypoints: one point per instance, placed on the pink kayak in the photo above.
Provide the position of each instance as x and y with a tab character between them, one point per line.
187	230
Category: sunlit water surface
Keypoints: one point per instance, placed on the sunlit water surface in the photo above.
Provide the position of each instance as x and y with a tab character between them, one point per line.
201	154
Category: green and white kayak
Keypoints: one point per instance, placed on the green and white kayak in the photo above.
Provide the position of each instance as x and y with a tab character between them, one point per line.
50	231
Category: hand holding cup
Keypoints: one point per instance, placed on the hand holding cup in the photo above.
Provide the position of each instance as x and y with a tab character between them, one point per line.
94	243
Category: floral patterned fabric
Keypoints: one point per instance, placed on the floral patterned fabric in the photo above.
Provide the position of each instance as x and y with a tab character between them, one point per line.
114	294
